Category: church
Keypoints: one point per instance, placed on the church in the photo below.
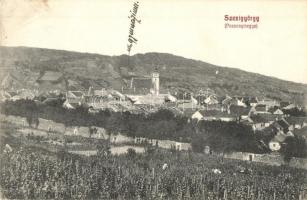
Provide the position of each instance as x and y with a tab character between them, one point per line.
145	90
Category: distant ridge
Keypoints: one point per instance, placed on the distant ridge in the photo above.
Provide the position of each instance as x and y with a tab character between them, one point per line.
82	70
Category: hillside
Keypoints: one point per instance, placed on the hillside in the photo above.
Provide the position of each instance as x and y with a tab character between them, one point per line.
22	66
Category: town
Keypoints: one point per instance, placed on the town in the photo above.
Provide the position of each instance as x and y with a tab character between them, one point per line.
144	95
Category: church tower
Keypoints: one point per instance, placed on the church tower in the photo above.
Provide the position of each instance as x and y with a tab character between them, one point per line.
155	83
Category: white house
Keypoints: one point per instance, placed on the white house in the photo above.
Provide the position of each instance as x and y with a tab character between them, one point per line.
274	145
278	112
198	115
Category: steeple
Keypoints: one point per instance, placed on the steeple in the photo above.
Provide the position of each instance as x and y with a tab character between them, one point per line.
155	82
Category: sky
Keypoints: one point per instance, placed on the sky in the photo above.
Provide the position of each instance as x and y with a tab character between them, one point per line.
192	29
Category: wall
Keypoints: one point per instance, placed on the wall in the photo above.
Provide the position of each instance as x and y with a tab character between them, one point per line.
271	159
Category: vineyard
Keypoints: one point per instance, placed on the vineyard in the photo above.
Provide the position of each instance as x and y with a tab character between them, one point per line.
28	173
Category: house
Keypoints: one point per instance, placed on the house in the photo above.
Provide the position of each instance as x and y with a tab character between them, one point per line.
8	95
213	115
289	107
269	103
211	100
253	101
201	98
212	103
282	126
244	99
75	94
74	99
296	122
11	82
261	121
198	115
301	132
218	107
274	145
27	94
188	104
117	96
71	104
237	101
259	109
284	104
170	98
240	111
183	96
226	100
278	112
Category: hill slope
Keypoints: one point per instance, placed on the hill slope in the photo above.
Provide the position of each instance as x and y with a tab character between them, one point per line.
22	66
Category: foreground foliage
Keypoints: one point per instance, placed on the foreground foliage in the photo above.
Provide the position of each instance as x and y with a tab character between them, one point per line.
163	124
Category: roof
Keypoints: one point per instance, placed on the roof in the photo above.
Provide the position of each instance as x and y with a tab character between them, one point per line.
289	107
77	93
253	100
216	113
282	123
284	104
302	131
239	110
50	76
279	138
296	120
11	93
200	98
264	118
72	105
260	107
226	100
269	103
211	100
183	96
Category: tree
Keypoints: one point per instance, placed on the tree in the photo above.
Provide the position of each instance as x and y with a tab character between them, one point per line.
294	112
198	143
294	147
36	122
29	119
